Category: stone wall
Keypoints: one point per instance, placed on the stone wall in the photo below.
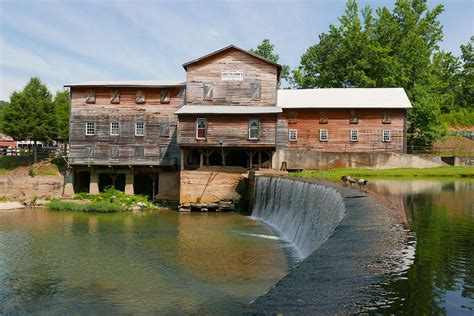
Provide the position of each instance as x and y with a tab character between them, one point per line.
307	159
18	187
208	186
168	188
464	161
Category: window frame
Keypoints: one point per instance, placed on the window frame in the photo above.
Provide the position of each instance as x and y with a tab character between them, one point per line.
111	150
199	119
111	128
321	132
351	134
386	118
204	94
250	128
165	96
93	127
258	96
389	136
136	129
290	138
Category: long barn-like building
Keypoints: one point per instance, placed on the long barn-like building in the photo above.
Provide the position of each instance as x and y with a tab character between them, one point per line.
139	135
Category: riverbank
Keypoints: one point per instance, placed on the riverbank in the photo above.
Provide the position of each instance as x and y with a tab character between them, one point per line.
438	172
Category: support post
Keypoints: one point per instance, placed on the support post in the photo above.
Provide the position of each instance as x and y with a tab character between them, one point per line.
68	189
129	178
94	183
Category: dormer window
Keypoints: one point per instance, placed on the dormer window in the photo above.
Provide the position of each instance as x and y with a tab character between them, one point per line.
140	97
208	91
255	91
164	96
115	97
90	96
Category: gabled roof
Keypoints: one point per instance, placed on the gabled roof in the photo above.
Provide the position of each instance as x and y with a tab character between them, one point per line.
128	83
369	98
227	109
185	65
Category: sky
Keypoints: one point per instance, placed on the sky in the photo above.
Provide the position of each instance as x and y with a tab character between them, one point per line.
71	41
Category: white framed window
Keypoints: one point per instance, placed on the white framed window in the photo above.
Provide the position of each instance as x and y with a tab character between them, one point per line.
139	129
114	128
201	128
323	135
90	128
386	135
254	129
292	135
354	135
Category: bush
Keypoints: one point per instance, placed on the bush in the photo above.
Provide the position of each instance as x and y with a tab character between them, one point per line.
111	195
459	118
98	207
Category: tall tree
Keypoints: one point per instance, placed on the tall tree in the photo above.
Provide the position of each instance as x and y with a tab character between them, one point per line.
391	49
61	104
466	96
266	50
3	104
30	114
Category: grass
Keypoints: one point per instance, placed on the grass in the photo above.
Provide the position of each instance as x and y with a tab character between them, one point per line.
97	207
336	174
44	167
110	200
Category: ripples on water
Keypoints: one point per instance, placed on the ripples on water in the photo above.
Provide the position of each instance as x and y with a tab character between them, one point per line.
158	262
434	273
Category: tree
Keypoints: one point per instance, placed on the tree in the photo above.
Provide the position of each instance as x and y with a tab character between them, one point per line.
266	50
391	49
61	104
30	114
466	95
3	104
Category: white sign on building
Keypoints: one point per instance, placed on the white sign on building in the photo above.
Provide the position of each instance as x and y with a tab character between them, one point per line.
232	75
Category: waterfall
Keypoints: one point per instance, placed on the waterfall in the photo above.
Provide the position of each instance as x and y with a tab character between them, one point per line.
306	213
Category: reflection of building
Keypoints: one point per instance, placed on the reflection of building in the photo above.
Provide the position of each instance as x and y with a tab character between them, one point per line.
228	112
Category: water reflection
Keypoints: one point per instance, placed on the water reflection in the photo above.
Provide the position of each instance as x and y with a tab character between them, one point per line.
439	276
156	262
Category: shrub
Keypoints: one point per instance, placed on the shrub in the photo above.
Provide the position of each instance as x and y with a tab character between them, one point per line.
98	207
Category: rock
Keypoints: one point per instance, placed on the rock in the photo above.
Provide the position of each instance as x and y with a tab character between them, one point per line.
184	209
136	208
11	206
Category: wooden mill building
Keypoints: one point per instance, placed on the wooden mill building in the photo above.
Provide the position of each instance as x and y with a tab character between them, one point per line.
138	135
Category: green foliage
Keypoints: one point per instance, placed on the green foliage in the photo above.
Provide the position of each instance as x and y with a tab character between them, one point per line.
3	105
61	107
112	195
466	96
266	50
336	174
458	118
95	206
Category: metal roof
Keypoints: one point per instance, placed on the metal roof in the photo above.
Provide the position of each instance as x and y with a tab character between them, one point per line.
185	65
227	109
128	83
394	98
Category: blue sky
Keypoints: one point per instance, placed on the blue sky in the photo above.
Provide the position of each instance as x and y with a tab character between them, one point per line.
71	41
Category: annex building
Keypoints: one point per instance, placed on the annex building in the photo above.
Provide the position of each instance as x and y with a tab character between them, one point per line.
229	112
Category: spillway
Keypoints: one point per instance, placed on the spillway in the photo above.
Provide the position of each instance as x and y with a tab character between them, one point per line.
306	213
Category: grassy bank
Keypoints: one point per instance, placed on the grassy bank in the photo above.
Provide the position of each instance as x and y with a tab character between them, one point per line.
23	165
109	201
439	172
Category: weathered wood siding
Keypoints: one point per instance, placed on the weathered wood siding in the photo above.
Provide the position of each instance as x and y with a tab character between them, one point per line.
370	126
231	129
159	142
231	92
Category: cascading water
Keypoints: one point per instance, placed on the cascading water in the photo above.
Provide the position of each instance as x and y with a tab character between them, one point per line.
306	213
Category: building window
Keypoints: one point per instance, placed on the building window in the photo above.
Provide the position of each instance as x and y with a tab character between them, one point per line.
90	128
139	129
323	118
164	96
255	91
208	91
323	135
90	96
89	151
293	135
115	97
113	151
354	118
114	128
354	135
254	129
139	152
201	128
386	135
140	97
292	117
386	118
